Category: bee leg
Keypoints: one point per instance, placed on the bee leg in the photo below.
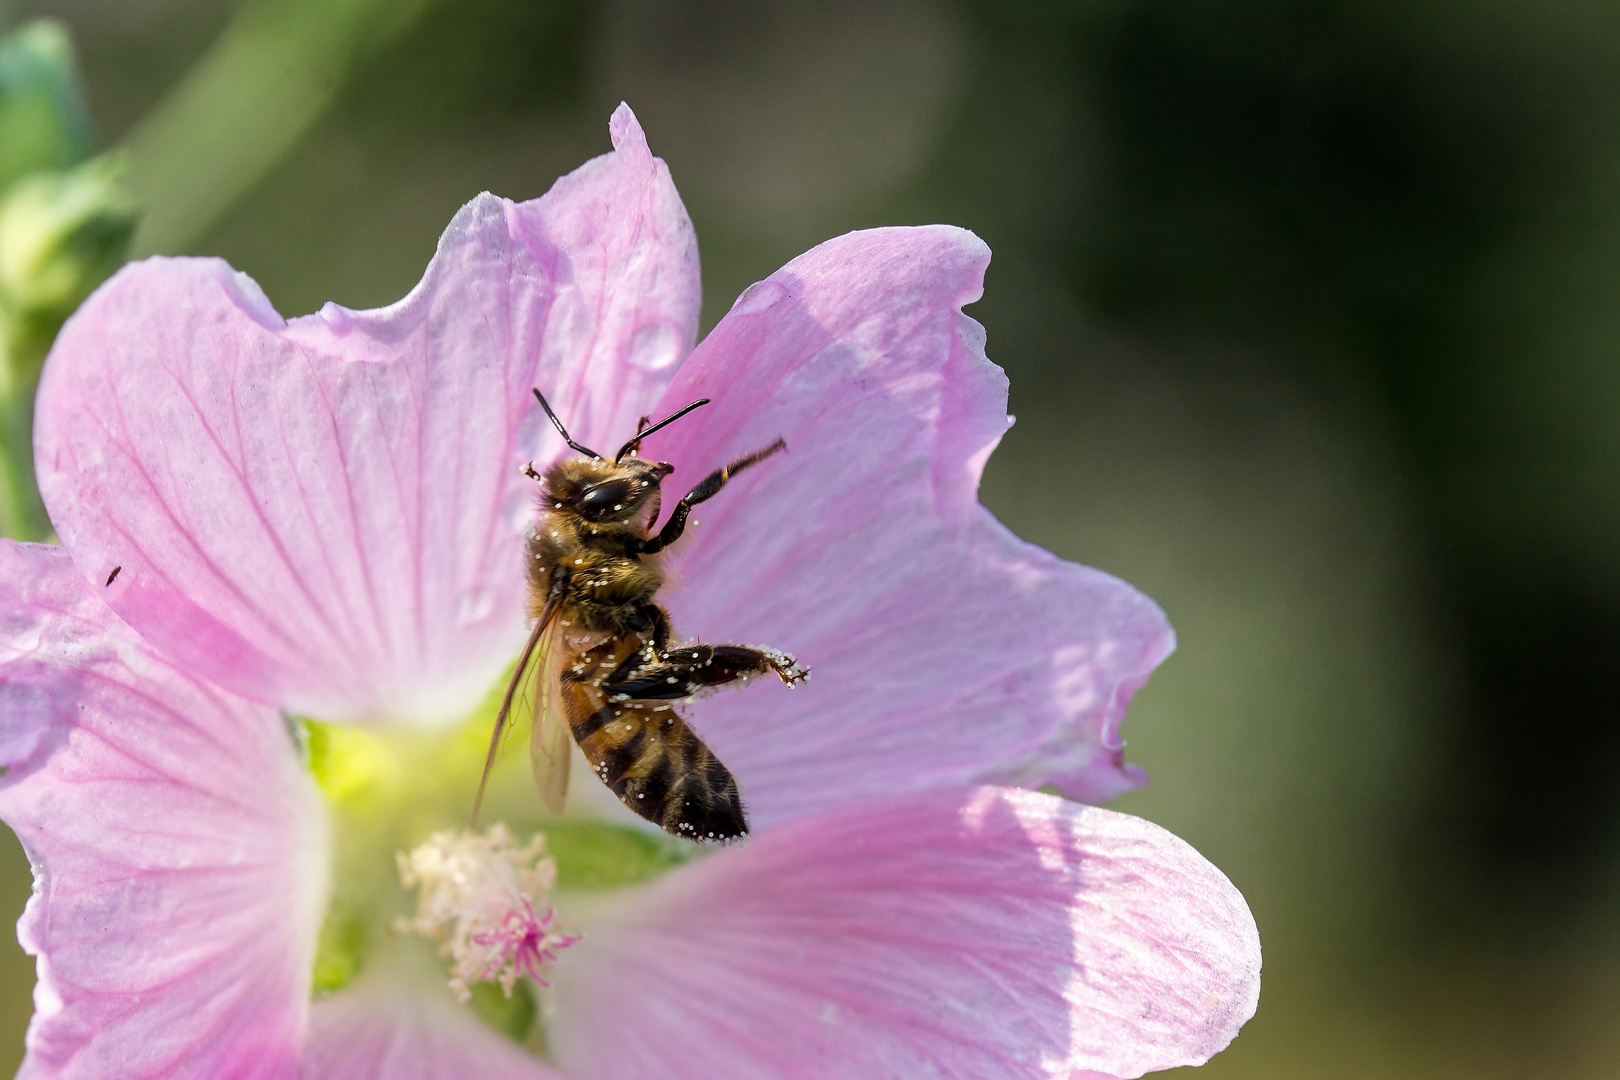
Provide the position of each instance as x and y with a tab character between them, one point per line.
629	665
650	622
706	490
685	671
660	628
653	626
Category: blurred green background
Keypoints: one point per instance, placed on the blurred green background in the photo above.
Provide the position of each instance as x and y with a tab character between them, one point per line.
1312	315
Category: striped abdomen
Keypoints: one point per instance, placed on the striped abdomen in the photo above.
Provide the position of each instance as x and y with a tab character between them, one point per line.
646	752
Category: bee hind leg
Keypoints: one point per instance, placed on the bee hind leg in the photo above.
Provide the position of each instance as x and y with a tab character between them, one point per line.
683	672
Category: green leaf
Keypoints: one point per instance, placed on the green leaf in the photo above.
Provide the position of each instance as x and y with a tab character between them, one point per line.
340	952
511	1016
597	855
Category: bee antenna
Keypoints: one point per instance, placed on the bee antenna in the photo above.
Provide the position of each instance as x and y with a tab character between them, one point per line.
587	451
635	444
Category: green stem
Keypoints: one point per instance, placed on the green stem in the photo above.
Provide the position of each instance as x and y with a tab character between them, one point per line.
263	84
22	514
258	90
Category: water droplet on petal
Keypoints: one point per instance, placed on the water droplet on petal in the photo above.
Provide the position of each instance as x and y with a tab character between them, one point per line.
759	296
474	605
655	346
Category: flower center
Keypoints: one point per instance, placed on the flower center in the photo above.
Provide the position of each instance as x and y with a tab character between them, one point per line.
405	869
476	897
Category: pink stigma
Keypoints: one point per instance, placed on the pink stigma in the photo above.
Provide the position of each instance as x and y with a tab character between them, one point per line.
523	941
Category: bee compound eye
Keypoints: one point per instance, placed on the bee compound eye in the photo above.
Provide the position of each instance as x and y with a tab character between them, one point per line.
605	498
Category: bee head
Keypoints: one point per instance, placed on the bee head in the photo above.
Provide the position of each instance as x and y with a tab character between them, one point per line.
605	492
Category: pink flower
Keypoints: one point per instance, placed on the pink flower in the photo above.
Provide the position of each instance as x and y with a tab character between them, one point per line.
324	517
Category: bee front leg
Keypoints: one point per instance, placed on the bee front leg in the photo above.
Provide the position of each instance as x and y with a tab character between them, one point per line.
684	672
706	490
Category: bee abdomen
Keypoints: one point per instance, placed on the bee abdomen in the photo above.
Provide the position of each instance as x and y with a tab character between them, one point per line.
593	723
659	768
618	761
706	805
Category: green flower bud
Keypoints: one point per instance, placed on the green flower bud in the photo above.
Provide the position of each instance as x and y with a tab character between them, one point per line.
43	121
61	234
65	224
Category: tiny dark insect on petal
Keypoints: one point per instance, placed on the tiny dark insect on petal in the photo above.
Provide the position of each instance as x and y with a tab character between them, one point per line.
112	577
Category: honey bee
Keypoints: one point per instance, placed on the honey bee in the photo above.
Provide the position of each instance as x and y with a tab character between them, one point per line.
604	670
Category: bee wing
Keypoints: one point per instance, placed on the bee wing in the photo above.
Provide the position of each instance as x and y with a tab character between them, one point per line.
542	626
549	743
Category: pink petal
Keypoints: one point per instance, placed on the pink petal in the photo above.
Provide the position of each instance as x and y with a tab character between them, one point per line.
944	649
178	847
370	1033
962	933
326	514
